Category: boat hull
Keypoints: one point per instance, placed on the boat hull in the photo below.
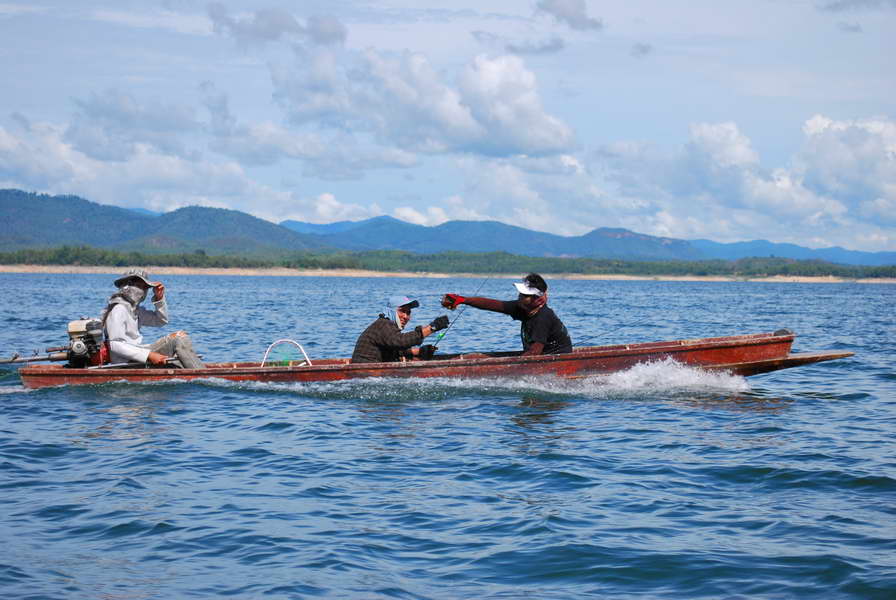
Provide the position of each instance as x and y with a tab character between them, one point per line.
742	355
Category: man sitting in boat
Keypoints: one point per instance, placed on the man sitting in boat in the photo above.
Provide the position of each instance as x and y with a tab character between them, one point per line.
541	331
123	317
383	340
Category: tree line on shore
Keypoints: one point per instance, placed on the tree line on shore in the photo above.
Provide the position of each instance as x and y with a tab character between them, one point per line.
451	262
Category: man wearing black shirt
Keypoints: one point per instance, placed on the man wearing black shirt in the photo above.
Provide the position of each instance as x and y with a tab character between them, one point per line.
541	331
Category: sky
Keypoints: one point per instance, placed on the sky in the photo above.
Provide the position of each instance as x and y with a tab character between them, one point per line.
729	121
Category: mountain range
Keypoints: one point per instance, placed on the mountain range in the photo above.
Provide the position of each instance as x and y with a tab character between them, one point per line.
40	221
29	220
387	233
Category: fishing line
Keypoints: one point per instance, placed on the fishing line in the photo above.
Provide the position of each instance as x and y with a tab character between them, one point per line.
463	308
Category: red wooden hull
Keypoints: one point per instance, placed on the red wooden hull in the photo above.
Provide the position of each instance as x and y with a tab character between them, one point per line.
741	355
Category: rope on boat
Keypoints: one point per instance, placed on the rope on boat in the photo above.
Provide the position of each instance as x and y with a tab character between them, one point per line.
287	341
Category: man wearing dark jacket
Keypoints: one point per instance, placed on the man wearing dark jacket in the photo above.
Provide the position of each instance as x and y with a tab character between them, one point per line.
383	340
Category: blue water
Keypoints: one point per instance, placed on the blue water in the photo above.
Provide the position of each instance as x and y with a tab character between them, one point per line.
659	482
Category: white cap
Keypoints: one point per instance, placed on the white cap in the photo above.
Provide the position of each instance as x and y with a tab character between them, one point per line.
524	288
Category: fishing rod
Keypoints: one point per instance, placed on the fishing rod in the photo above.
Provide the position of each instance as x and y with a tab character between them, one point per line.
463	308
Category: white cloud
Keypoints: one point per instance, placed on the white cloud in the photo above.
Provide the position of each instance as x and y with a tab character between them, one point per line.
839	186
412	215
326	30
13	10
848	5
785	195
39	157
35	158
573	13
881	209
722	145
178	22
849	27
640	50
402	101
42	158
548	46
265	25
453	208
110	125
273	24
556	197
503	95
325	208
853	160
330	155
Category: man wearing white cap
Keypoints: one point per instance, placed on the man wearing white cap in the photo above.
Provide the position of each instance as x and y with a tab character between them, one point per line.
123	317
383	340
541	330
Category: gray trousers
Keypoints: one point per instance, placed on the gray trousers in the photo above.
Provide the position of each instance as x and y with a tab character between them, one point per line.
180	346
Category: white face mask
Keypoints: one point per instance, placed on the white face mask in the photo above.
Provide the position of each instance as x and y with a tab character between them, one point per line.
133	294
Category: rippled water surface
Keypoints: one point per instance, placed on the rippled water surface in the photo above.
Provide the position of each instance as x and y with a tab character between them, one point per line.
659	482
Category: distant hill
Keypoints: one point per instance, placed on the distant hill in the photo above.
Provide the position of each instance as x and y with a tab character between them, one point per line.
382	233
29	220
145	212
227	231
387	233
322	228
763	248
36	220
32	220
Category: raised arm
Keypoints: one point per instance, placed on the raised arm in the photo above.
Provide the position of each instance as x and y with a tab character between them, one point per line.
153	318
451	301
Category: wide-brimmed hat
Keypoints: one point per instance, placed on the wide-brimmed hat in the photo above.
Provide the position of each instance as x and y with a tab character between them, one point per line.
134	273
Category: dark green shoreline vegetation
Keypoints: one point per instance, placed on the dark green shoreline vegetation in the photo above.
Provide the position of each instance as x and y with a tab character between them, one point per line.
451	262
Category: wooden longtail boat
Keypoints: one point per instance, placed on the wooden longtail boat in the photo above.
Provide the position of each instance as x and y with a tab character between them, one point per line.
740	355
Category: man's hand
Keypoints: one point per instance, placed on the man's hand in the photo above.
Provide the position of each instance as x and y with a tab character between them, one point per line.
450	301
155	358
439	323
426	351
158	291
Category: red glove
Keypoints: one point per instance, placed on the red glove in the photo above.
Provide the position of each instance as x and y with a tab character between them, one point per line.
450	301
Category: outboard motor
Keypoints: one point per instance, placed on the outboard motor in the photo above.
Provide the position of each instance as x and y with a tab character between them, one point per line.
85	343
85	347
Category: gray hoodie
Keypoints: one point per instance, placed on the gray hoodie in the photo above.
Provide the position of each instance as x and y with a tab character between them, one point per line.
123	325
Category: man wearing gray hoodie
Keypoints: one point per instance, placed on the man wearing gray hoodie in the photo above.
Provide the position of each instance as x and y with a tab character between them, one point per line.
123	317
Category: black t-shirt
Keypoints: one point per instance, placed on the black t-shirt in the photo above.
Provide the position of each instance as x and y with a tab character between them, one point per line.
544	326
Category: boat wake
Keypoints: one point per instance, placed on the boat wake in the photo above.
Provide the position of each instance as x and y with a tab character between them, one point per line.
661	377
13	389
667	374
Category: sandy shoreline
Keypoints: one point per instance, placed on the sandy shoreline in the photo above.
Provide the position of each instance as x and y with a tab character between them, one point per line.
284	272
